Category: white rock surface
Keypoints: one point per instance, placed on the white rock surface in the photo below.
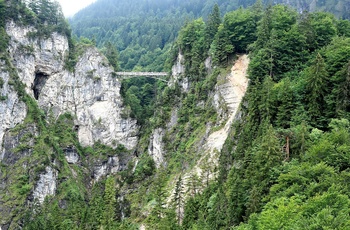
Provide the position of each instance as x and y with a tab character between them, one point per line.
228	94
90	93
46	185
208	64
156	146
173	119
72	157
111	166
35	55
93	96
178	71
231	93
12	110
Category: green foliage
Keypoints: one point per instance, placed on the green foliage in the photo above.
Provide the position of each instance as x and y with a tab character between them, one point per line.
285	163
144	168
241	27
76	49
3	35
110	201
3	40
212	25
140	96
299	73
112	55
324	27
221	47
143	32
316	86
192	45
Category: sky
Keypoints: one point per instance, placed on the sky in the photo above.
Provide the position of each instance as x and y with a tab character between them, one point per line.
70	7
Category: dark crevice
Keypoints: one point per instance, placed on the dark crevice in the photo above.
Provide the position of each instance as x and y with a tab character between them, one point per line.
39	83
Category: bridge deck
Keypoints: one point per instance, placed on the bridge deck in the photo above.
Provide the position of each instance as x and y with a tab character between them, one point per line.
142	73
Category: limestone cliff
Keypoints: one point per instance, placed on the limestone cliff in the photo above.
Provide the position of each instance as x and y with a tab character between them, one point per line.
91	94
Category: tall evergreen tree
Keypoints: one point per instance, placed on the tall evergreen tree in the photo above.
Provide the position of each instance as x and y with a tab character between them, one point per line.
343	105
212	25
221	48
110	201
316	86
34	6
264	29
112	55
179	199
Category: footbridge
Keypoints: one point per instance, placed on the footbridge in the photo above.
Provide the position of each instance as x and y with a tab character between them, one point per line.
156	75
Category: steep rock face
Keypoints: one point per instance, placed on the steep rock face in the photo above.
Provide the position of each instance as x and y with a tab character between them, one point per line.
93	96
17	171
178	71
12	110
33	56
113	164
71	155
90	93
230	92
156	147
18	144
226	99
46	185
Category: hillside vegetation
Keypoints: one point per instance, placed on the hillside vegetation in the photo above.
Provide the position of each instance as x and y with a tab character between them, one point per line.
143	31
139	35
285	164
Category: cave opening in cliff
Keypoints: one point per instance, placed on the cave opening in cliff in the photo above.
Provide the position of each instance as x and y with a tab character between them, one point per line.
39	83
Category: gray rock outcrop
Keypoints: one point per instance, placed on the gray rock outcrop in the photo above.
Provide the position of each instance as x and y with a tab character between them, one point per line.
90	92
46	185
71	155
12	110
156	147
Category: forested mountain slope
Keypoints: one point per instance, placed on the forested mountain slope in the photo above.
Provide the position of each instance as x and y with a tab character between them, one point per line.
143	31
73	158
286	162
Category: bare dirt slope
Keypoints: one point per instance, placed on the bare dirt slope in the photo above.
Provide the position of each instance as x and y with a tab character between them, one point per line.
231	92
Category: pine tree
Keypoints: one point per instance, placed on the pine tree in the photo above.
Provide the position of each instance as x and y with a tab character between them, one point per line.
110	201
221	47
286	101
343	105
34	6
316	86
160	196
264	29
258	10
212	25
112	55
193	184
178	200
